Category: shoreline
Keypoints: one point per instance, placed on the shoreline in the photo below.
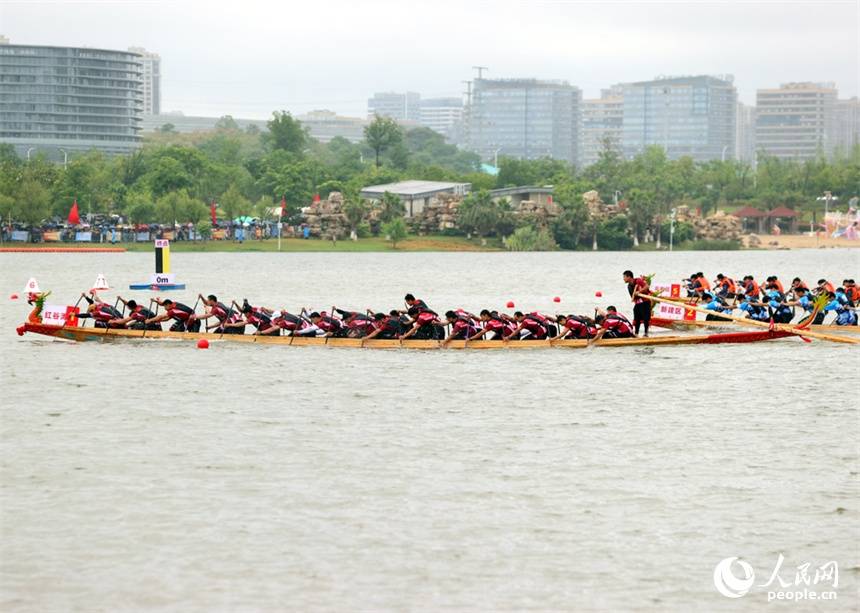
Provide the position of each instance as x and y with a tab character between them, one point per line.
415	244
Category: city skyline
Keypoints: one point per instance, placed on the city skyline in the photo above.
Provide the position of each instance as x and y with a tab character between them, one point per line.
249	71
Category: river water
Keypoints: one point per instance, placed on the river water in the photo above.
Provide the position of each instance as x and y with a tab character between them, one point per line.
153	475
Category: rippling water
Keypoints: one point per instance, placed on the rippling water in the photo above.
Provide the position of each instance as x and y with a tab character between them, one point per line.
154	475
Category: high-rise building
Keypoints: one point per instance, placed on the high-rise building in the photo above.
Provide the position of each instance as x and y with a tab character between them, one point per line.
745	133
687	116
602	124
400	107
151	80
440	114
525	118
55	100
796	121
847	124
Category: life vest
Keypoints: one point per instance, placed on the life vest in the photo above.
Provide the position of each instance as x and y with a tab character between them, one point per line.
463	327
751	289
329	324
534	325
426	318
105	312
288	321
179	311
617	322
220	312
141	314
258	319
728	285
579	327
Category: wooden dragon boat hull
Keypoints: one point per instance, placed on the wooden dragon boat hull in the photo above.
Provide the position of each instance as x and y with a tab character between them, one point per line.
694	324
103	334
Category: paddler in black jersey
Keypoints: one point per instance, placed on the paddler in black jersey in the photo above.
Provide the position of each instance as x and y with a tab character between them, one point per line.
179	313
101	312
137	316
220	312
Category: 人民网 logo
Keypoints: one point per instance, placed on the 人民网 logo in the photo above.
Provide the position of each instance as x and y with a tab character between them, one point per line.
730	585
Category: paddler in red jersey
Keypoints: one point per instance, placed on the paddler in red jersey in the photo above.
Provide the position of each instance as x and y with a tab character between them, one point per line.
386	326
463	326
612	324
494	327
179	313
412	301
330	326
575	326
358	325
137	316
425	324
219	311
529	327
641	306
101	313
824	287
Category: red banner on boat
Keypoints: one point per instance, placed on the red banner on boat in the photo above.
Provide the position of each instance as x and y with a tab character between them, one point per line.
60	315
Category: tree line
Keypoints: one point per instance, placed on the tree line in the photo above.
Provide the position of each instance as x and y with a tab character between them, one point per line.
174	177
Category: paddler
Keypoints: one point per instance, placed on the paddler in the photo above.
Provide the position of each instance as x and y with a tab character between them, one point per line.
717	305
137	316
773	282
612	324
796	284
803	299
358	325
425	324
494	326
846	315
575	326
101	312
463	327
259	317
412	301
754	309
751	289
725	287
823	287
219	311
529	327
387	326
641	306
180	313
330	326
852	291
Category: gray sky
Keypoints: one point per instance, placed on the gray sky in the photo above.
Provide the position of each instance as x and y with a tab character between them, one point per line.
249	57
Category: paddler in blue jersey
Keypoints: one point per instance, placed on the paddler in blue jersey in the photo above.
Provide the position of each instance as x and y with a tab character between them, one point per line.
780	312
754	310
846	314
717	305
804	301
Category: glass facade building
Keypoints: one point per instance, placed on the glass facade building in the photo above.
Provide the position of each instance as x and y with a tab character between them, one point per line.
56	99
687	116
525	118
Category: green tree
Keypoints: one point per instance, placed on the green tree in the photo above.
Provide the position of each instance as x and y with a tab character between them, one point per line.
7	207
167	128
33	202
226	122
382	134
178	207
286	133
233	203
355	210
642	212
392	207
529	238
395	231
479	214
140	208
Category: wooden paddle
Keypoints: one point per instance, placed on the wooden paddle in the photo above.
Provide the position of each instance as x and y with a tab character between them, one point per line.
761	324
145	328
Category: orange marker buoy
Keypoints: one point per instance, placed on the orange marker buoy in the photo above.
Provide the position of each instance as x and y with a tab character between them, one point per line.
556	299
598	294
203	344
510	304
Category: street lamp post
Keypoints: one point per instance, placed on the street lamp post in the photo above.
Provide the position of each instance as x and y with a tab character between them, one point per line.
723	156
496	157
672	229
615	196
65	157
30	150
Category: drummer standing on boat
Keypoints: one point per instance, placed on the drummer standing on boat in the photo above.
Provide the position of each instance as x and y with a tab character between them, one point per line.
641	306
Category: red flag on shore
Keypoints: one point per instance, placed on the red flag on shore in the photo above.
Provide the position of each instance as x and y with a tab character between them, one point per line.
74	216
213	214
283	206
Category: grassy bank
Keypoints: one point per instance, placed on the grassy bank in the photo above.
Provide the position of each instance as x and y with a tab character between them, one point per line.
416	243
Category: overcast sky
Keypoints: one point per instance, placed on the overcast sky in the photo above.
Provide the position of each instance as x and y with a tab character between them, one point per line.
248	57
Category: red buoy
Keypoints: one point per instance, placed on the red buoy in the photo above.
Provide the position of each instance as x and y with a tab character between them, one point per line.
13	297
203	344
598	294
556	299
510	304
